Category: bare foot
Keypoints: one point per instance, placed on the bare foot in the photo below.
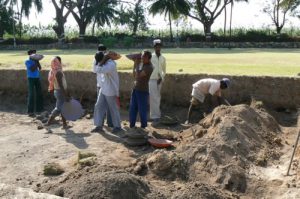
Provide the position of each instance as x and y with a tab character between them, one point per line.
66	126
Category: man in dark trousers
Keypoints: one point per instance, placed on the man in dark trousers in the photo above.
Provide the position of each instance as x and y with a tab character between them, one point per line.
140	94
35	96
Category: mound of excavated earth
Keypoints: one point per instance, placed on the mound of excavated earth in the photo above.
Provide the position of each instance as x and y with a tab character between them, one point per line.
223	145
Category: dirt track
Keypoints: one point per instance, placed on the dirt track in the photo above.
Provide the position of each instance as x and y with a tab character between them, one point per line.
25	150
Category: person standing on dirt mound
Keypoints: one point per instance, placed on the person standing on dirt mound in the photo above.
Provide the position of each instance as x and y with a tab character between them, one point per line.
58	84
35	96
139	97
109	93
205	87
157	77
98	58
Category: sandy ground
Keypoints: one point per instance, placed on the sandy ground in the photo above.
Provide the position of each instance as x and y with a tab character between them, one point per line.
25	149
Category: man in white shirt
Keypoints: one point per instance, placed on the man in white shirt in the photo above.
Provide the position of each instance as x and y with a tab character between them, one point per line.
107	98
98	58
155	83
205	87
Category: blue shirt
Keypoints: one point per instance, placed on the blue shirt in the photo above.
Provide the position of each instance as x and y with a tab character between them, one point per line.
31	74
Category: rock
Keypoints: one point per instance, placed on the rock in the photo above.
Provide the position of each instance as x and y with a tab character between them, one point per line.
90	161
53	169
277	141
39	127
83	155
88	116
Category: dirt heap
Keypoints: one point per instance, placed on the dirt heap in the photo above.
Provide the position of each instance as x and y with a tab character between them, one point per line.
201	190
112	184
223	145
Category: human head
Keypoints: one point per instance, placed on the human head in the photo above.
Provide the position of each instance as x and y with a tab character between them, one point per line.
58	57
146	57
31	51
98	57
157	45
225	82
101	47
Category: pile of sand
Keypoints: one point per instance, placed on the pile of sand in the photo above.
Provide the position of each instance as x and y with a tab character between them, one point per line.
111	184
223	145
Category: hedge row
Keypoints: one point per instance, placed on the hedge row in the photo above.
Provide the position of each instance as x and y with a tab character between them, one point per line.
128	41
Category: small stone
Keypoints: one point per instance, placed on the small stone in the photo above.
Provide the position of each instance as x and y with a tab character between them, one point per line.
277	141
38	185
39	127
88	116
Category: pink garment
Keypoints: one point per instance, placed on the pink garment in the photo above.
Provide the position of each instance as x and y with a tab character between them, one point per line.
55	67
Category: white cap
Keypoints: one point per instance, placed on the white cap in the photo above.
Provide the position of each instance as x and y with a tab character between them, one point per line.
156	41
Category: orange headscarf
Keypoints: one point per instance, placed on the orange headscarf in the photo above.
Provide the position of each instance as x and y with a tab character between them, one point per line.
55	67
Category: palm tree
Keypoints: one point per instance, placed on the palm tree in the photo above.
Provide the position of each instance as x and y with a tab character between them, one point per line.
26	6
88	11
225	13
171	8
231	11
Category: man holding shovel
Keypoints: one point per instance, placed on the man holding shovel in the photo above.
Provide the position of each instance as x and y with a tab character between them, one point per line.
204	88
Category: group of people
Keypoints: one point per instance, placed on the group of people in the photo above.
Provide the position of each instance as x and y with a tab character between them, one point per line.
149	70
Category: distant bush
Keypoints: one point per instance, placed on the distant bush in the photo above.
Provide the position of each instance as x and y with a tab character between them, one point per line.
110	42
128	42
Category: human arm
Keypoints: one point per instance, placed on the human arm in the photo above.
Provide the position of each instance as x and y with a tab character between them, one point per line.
94	67
162	72
59	77
30	65
108	67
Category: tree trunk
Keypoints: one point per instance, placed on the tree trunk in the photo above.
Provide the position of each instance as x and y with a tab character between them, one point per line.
82	29
207	28
225	20
278	30
93	28
59	28
171	32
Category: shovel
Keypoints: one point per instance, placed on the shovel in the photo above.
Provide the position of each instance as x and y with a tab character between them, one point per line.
295	147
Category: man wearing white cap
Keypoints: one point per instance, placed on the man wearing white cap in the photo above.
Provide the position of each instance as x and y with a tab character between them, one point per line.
205	87
157	77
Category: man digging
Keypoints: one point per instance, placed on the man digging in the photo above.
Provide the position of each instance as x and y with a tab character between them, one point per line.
207	87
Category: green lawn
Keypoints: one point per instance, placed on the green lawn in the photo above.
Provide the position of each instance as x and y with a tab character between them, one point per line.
272	62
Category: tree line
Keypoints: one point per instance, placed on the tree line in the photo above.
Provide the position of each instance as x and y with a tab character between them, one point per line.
133	14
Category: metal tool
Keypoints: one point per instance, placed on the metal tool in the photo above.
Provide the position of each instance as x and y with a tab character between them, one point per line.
295	147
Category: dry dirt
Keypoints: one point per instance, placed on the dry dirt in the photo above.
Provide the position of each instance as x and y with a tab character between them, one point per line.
235	152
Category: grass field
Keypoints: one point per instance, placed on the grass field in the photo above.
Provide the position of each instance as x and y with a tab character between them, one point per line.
271	62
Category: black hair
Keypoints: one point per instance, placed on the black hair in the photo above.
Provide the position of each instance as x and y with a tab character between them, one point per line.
98	57
31	51
59	59
148	54
223	84
102	48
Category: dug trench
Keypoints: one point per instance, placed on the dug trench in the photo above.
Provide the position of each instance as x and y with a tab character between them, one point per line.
242	151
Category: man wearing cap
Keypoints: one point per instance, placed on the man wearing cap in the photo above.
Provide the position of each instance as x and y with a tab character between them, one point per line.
157	77
205	87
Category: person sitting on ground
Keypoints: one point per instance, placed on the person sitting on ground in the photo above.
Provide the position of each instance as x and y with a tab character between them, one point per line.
100	76
34	85
140	94
58	83
108	95
205	87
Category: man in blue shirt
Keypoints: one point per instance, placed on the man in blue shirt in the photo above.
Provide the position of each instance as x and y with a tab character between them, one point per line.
35	96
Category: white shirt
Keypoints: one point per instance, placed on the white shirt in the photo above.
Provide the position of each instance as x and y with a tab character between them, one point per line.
159	67
99	76
109	80
208	86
